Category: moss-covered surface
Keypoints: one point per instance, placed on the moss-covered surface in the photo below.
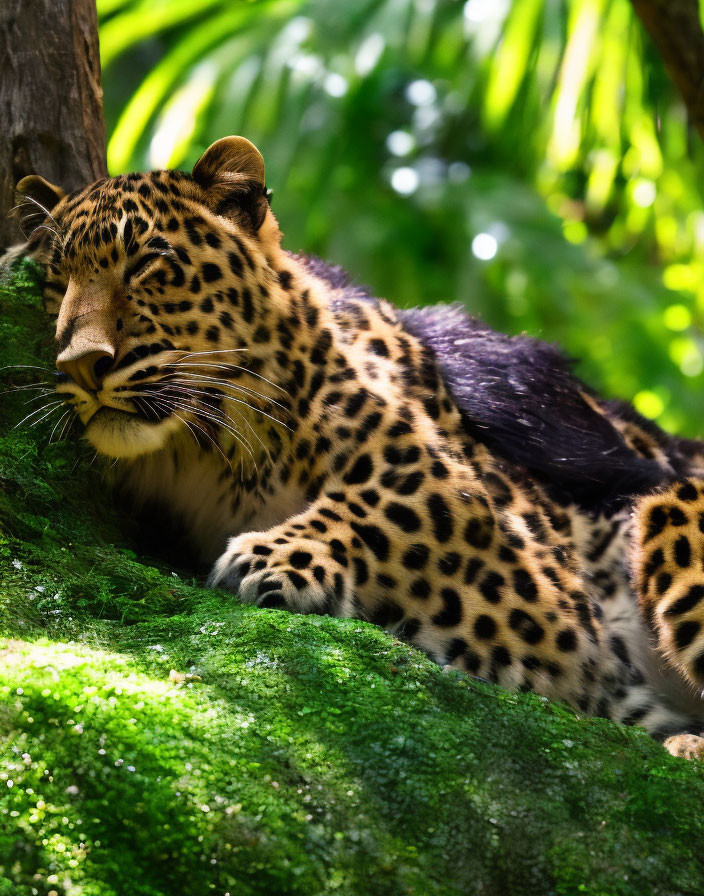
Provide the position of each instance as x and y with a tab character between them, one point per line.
307	756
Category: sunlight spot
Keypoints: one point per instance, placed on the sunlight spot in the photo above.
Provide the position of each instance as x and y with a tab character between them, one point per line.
426	119
680	276
179	119
477	11
421	93
405	181
649	404
692	363
677	317
574	231
296	31
400	143
369	54
687	356
306	64
644	193
484	246
335	85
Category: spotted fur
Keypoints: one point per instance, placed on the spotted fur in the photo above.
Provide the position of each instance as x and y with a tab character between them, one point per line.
328	453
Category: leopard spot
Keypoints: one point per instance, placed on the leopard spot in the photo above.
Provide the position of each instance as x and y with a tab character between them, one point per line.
402	516
457	647
566	640
490	586
526	627
450	563
690	600
656	521
416	557
441	517
420	588
682	551
360	472
451	612
484	627
500	656
300	559
687	492
686	632
479	532
524	585
297	580
273	601
374	538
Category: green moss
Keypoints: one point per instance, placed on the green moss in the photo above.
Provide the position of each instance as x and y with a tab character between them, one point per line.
307	755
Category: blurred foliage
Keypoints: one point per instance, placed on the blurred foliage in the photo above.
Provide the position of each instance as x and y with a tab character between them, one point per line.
529	158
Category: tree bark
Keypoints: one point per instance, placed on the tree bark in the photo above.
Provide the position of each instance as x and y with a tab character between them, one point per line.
676	31
51	99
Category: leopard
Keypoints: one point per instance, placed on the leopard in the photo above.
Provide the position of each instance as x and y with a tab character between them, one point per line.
327	452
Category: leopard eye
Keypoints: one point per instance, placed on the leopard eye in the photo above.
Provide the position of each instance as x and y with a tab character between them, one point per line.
142	267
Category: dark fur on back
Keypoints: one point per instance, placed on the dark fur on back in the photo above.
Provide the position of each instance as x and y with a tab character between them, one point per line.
520	397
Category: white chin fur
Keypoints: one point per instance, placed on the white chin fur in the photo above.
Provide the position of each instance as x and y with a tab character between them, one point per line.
118	434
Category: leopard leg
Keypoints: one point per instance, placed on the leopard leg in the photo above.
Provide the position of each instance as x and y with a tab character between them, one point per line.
422	560
668	574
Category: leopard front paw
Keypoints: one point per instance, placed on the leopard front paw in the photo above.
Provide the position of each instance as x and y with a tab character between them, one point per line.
297	576
687	746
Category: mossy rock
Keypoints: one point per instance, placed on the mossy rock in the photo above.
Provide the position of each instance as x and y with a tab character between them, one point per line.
284	754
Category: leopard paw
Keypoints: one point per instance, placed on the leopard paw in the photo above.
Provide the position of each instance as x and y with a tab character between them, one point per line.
687	746
295	576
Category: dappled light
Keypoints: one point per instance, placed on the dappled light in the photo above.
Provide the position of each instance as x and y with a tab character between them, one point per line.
308	592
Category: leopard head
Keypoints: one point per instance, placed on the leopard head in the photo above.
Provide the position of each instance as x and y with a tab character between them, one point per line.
163	287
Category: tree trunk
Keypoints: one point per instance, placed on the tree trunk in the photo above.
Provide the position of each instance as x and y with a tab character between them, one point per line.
676	31
51	99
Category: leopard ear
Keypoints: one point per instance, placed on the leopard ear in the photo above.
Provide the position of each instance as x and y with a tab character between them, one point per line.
35	199
231	173
35	187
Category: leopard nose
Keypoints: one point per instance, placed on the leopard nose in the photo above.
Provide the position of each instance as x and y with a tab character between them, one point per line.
87	370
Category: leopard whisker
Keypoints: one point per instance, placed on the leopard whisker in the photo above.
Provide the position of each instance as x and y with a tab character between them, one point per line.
226	384
58	423
185	423
33	201
220	422
28	387
67	427
194	392
52	406
216	351
50	229
109	468
27	367
241	401
44	416
40	395
169	401
184	370
200	428
232	367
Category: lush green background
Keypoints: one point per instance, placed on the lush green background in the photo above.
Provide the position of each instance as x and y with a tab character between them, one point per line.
441	152
396	132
